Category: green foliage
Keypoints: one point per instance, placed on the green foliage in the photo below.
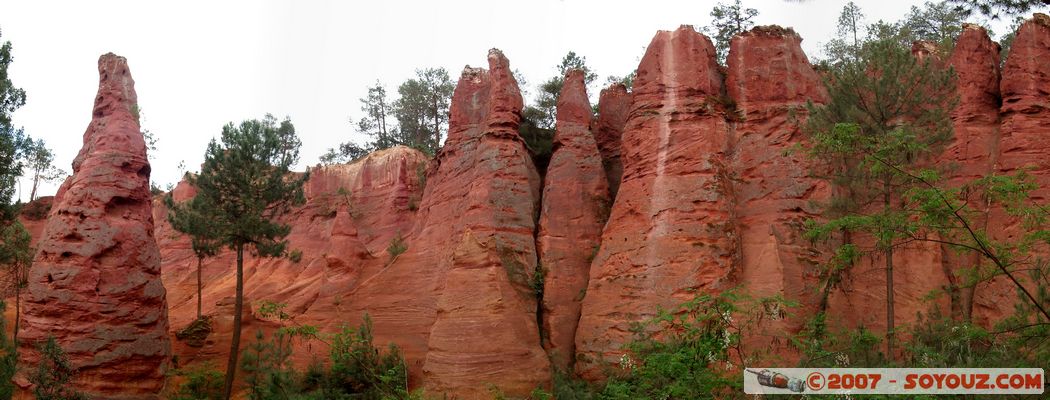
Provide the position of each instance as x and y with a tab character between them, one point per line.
1007	41
687	352
422	110
358	367
244	185
295	256
936	22
996	8
54	375
727	21
397	246
8	358
267	369
201	383
421	114
41	161
538	120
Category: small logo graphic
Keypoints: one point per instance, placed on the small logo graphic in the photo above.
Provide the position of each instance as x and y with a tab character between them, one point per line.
777	380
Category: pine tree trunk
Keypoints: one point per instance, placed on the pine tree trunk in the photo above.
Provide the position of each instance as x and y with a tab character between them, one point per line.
199	261
889	281
231	365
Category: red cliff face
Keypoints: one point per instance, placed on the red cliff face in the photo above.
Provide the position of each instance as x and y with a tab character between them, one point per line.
770	80
575	206
614	104
670	232
95	284
353	212
1024	142
972	152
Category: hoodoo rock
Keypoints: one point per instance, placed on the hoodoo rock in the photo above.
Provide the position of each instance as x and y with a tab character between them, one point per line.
973	150
670	235
770	80
466	316
614	104
575	206
95	284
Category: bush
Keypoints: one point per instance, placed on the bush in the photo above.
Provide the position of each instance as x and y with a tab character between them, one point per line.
202	383
397	246
8	360
54	374
296	256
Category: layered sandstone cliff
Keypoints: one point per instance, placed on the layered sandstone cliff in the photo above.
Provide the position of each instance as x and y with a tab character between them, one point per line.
670	234
770	81
95	284
712	193
614	104
575	207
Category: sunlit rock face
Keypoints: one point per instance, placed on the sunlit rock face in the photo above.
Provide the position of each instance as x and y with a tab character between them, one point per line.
95	284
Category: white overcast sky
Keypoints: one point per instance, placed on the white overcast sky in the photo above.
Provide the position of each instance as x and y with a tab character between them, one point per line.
200	64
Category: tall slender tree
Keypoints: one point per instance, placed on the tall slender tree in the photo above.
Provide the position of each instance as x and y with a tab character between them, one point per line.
244	185
887	112
193	218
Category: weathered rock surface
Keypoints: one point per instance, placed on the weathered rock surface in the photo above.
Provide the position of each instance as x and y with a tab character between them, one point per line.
465	315
575	207
614	104
1023	145
770	80
973	151
352	213
670	234
95	284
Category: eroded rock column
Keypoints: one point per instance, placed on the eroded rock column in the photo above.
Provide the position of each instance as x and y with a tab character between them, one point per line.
575	207
614	104
670	235
95	282
770	80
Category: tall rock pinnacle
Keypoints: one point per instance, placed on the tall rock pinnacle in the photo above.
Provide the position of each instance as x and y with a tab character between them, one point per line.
575	206
614	104
770	80
95	282
670	234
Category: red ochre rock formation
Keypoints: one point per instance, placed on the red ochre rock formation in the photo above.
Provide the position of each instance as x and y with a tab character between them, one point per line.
670	233
711	197
614	104
1024	143
352	213
575	207
972	154
95	284
770	80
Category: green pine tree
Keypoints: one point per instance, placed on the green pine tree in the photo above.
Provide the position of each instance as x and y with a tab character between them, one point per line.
887	113
244	185
53	377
